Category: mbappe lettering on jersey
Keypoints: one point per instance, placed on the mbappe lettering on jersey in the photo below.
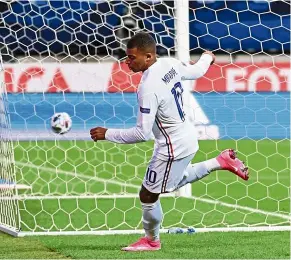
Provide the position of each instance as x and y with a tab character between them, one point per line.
169	76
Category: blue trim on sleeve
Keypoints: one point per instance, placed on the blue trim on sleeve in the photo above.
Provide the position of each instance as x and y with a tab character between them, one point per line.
144	110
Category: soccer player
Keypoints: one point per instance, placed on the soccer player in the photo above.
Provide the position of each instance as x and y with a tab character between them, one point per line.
160	111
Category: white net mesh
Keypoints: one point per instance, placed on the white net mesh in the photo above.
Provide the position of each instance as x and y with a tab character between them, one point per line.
8	204
67	56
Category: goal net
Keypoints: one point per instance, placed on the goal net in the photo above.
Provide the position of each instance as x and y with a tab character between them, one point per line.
68	56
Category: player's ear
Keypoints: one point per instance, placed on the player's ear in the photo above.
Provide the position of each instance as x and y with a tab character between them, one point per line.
148	56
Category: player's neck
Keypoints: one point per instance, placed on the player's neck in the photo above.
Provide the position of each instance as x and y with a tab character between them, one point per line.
154	60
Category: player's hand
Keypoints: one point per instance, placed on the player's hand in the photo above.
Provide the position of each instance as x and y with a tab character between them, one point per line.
206	52
98	133
211	54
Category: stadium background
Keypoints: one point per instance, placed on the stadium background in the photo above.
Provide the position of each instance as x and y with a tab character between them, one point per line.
84	33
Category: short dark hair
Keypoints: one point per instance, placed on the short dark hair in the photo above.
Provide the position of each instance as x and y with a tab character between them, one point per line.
142	41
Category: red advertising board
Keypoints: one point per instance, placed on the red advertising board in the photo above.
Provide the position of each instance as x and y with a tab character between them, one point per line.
115	77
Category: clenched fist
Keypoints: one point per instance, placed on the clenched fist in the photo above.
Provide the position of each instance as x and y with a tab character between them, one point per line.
98	133
211	54
206	52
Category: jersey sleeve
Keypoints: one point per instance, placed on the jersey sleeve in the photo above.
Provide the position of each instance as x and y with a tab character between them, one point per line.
147	109
192	72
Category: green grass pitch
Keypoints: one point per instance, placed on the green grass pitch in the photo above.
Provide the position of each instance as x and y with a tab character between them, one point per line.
103	168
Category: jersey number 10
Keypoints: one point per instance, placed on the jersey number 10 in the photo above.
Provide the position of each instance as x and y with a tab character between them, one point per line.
177	91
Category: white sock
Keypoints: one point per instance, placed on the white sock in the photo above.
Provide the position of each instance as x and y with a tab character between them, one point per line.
197	171
151	218
212	165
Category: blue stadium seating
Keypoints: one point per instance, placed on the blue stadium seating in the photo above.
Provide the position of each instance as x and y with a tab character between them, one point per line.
75	26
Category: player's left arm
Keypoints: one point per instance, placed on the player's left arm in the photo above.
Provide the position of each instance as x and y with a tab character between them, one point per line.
196	70
148	106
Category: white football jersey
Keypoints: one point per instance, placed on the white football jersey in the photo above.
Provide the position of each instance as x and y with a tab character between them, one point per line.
160	109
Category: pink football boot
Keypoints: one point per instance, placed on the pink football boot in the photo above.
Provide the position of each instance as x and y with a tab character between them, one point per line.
143	244
228	161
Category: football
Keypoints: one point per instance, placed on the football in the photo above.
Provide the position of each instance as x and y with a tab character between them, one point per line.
61	123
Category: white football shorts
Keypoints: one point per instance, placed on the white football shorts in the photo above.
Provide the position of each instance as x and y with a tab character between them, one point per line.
164	176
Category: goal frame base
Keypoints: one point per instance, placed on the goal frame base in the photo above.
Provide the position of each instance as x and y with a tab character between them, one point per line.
141	231
10	231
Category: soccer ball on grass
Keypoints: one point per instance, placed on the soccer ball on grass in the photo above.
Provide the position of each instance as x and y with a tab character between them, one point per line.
61	123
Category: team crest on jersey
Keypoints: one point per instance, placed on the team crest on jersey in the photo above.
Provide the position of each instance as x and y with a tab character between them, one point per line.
144	110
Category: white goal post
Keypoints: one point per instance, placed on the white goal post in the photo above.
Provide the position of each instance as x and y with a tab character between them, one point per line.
68	56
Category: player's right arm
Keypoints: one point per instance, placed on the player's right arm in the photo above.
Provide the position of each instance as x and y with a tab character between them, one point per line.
148	106
196	70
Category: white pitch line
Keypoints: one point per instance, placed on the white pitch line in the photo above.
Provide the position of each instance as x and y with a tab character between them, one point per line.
78	175
243	208
138	187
